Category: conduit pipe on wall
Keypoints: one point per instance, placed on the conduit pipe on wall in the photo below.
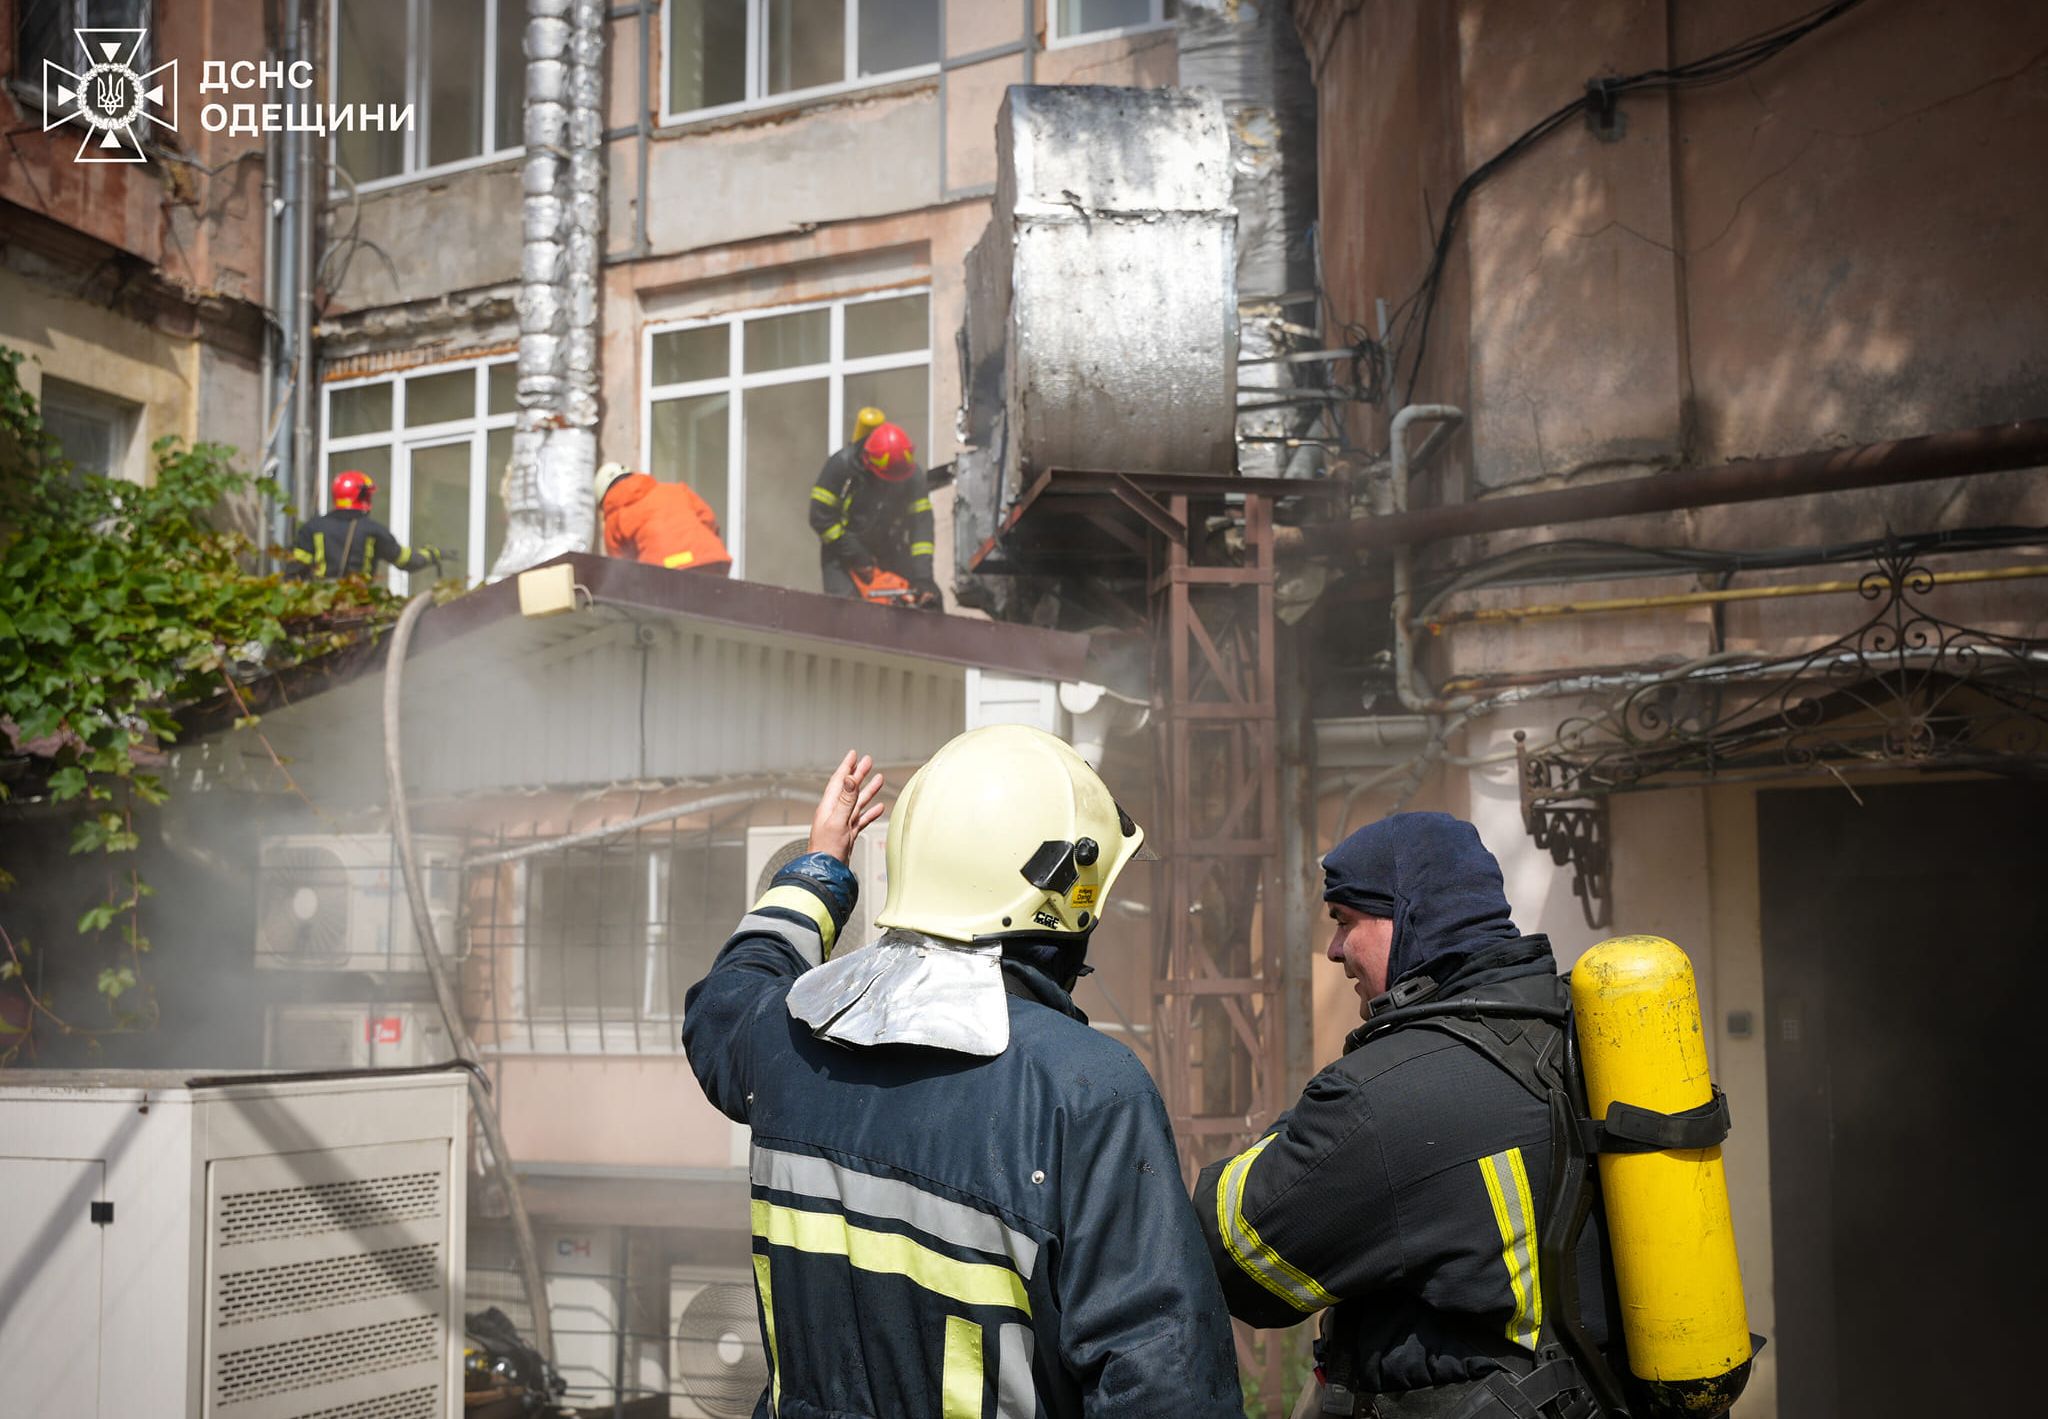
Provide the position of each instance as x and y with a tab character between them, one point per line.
772	793
1449	417
444	985
1957	453
1551	609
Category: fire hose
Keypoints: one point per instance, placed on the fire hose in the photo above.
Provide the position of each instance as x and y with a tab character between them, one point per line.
444	988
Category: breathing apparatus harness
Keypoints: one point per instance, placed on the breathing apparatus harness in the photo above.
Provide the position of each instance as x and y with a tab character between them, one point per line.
1535	1044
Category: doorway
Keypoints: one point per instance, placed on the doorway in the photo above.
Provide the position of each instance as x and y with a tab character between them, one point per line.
1904	970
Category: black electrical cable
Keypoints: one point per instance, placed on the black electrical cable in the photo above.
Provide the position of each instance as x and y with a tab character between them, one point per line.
1600	95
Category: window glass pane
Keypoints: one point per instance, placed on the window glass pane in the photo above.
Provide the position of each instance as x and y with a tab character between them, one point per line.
707	892
511	73
503	395
886	327
361	409
681	356
93	429
898	34
369	68
690	446
47	29
787	440
440	510
43	30
436	398
454	71
707	53
806	44
903	395
1083	16
587	932
497	457
374	461
782	342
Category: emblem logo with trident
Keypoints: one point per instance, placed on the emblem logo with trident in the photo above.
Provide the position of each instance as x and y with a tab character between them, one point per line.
109	97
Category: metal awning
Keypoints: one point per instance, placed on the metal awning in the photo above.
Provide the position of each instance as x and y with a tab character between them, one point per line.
1905	689
663	675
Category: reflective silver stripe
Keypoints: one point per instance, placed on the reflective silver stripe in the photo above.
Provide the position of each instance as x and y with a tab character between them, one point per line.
1250	1251
804	942
944	1218
1016	1391
1514	1212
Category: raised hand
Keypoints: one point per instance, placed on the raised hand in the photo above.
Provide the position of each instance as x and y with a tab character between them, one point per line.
850	802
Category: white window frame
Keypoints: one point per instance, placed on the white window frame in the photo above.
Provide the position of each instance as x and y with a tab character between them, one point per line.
415	147
396	502
1056	39
736	383
758	96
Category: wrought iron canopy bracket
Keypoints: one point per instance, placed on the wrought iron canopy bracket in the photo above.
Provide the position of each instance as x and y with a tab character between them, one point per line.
1572	833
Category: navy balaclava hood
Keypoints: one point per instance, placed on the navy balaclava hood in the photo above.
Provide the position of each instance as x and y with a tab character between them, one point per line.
1431	875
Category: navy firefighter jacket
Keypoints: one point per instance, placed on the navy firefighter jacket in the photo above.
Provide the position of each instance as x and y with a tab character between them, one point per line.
941	1234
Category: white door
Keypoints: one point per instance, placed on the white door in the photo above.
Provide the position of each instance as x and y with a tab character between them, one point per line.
50	1286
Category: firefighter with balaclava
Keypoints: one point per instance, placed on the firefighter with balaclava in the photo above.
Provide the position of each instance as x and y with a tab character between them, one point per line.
347	541
965	1201
1404	1194
871	509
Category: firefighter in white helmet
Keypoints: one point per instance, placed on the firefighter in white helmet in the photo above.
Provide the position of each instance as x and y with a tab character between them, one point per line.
965	1201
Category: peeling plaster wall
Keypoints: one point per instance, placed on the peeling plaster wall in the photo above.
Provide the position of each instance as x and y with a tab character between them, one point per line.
1835	249
89	345
202	228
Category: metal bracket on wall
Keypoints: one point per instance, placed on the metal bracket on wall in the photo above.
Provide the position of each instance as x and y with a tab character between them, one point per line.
1574	834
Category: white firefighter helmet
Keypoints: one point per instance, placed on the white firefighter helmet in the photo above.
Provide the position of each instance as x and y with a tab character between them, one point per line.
1005	832
607	474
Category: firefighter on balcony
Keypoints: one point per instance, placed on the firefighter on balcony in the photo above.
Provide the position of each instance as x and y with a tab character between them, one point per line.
347	541
662	524
872	512
965	1201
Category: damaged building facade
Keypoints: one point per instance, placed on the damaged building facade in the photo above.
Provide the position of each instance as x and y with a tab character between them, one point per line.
1348	408
753	224
1800	732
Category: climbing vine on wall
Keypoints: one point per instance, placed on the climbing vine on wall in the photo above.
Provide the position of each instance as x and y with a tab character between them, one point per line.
120	603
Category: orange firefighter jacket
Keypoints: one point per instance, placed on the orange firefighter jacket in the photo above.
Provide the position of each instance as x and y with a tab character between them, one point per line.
663	524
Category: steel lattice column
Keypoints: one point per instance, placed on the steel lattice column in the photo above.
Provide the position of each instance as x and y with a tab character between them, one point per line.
1217	992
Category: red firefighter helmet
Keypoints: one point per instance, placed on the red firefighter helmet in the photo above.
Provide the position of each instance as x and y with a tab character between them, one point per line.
889	453
354	489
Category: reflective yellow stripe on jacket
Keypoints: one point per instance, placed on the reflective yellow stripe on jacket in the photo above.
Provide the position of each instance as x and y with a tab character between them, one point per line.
968	1344
1249	1250
1514	1212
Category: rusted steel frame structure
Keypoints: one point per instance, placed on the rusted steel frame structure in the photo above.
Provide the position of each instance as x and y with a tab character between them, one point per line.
1957	453
1217	998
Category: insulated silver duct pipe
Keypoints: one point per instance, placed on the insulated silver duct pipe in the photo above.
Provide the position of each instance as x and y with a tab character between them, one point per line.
547	494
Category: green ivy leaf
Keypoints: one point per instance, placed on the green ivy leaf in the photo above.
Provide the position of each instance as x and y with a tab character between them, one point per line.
115	981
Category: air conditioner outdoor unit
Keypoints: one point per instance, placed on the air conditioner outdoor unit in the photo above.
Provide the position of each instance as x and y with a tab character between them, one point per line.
244	1248
354	1037
717	1367
769	848
336	902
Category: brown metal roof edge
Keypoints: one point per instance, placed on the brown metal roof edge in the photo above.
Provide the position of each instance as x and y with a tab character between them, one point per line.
957	640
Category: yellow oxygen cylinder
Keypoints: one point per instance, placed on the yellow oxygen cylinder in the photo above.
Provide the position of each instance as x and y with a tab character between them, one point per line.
867	421
1641	1042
